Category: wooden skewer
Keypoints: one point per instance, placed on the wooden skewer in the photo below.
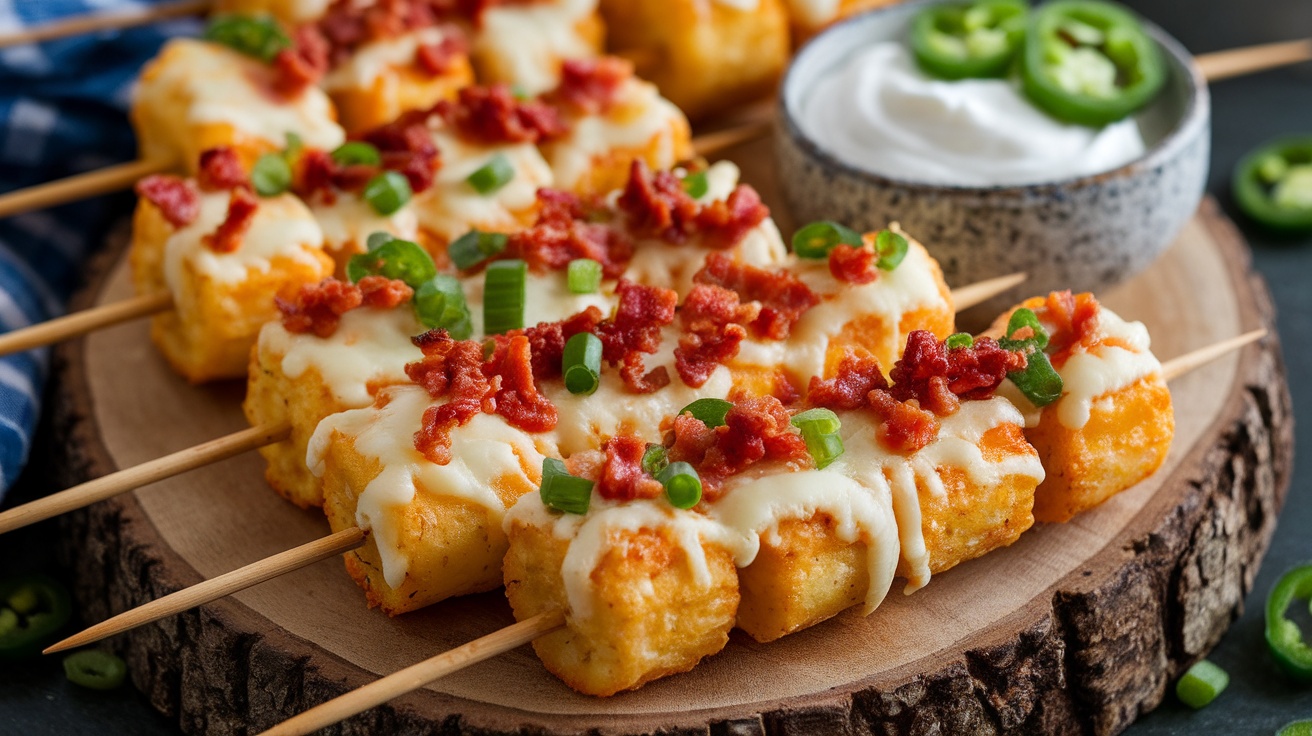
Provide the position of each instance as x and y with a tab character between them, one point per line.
417	675
708	144
980	292
215	588
80	323
104	22
1236	62
80	186
146	473
1176	367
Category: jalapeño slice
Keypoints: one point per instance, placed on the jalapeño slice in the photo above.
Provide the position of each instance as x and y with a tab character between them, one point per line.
971	39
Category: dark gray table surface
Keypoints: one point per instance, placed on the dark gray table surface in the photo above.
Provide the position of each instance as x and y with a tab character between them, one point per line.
36	700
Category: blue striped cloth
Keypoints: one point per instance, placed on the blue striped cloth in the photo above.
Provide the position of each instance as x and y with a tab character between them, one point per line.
63	110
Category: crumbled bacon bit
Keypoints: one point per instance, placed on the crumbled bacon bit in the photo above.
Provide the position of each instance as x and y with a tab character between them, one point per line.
621	477
970	373
591	85
407	147
853	265
221	169
548	339
755	430
438	58
380	292
724	222
903	427
346	25
636	328
713	322
1075	319
493	115
562	234
300	66
517	395
656	204
318	308
634	373
176	198
783	297
242	206
857	376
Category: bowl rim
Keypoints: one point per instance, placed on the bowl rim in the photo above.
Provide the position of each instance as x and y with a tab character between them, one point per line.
1191	123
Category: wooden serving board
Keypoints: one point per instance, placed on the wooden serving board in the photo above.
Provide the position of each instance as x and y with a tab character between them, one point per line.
1077	628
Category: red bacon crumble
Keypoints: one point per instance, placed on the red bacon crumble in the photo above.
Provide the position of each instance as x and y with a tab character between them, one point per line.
492	115
242	206
176	198
621	477
221	169
1075	319
562	234
517	396
318	308
300	66
439	58
724	222
857	376
783	297
405	146
346	26
656	204
853	265
547	340
592	85
713	322
903	427
969	373
635	329
754	430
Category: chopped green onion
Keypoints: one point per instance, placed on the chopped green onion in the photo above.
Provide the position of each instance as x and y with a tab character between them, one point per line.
696	185
378	240
655	459
581	363
24	600
823	421
562	491
824	448
504	292
493	175
395	259
474	247
959	340
892	248
1201	684
94	669
710	411
1039	381
260	37
1020	319
1297	728
271	175
440	302
353	153
294	146
584	276
818	238
387	192
683	487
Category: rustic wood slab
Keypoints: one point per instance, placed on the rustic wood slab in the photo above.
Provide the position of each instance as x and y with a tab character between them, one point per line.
1077	628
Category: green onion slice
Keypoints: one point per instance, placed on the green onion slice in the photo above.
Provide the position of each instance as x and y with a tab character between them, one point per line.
683	487
710	411
387	192
818	238
562	491
491	176
353	153
581	363
655	459
1297	728
260	37
271	175
1201	684
959	340
474	247
823	421
505	289
892	248
824	447
378	240
394	259
94	669
1039	381
294	146
696	185
440	302
1020	319
584	276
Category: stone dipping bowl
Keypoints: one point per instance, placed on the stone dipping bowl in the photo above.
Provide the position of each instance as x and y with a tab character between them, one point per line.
1085	233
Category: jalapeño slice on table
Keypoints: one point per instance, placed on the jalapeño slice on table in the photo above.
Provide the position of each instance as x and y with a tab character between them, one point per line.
968	40
1273	184
32	608
1289	644
1089	62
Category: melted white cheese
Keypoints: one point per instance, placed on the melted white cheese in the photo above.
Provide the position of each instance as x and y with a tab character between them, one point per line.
957	446
373	60
348	222
369	349
525	44
658	263
639	116
282	228
485	448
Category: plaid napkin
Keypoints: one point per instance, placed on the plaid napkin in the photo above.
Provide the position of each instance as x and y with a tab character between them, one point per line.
63	110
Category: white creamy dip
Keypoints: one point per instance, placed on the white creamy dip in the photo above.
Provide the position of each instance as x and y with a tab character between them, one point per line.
880	112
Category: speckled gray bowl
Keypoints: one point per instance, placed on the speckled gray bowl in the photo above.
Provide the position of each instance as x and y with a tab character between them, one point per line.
1085	233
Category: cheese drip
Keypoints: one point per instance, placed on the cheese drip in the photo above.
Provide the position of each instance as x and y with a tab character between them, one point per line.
349	221
957	446
369	349
1120	358
527	43
639	118
484	451
282	228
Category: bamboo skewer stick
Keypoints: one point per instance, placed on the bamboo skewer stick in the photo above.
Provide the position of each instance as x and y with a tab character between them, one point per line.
709	144
981	291
144	474
417	675
1176	367
104	22
1249	59
79	186
88	320
215	588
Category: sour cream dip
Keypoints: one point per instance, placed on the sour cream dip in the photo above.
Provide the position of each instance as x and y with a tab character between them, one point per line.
878	111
